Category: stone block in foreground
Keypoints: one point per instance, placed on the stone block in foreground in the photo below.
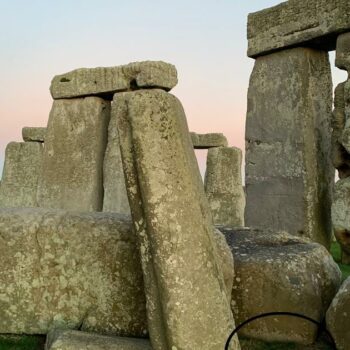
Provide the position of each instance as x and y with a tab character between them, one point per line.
22	169
289	171
278	272
313	23
75	340
105	81
187	304
33	134
204	141
69	270
74	149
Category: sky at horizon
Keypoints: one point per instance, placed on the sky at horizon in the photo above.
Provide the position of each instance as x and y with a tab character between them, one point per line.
205	40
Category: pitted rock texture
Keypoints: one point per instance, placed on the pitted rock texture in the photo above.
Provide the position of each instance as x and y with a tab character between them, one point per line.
338	317
223	186
341	216
33	134
105	81
183	279
276	272
75	340
313	23
74	149
204	141
288	144
22	168
69	270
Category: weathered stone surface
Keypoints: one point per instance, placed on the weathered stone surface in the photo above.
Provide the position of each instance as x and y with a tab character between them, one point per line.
342	58
276	272
75	340
172	219
204	141
115	197
75	144
341	215
313	23
20	176
338	317
33	134
69	270
223	186
106	81
288	143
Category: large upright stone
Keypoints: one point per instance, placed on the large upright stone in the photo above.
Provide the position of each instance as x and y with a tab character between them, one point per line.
223	186
289	173
313	23
21	173
105	81
342	58
75	144
187	304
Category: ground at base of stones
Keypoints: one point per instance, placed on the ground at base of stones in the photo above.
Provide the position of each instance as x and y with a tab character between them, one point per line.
336	252
26	342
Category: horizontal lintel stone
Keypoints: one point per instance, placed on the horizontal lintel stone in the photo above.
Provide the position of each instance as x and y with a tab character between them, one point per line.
33	134
204	141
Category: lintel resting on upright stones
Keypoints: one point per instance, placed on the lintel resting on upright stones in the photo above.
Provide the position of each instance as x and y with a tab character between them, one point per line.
312	23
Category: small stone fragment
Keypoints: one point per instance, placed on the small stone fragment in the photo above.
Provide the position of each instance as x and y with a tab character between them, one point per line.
204	141
33	134
60	339
223	186
105	81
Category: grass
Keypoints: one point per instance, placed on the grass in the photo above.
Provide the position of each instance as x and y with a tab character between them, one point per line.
21	342
336	252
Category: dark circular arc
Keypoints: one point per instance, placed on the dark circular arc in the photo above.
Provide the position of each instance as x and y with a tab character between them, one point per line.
278	314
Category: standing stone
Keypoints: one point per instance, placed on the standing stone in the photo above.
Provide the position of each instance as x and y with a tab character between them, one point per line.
21	174
223	186
31	134
187	304
289	173
73	155
115	197
342	58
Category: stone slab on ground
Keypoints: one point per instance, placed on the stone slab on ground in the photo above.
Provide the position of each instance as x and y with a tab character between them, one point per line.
338	317
75	340
33	134
22	168
171	216
313	23
105	81
288	144
278	272
204	141
74	149
70	270
223	186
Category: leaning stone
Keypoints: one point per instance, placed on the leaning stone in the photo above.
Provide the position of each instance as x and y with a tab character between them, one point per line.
22	168
204	141
341	214
313	23
75	144
31	134
70	270
289	169
338	317
105	81
223	186
74	340
342	58
183	280
278	272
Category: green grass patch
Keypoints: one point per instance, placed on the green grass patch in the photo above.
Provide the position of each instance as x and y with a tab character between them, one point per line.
21	342
336	253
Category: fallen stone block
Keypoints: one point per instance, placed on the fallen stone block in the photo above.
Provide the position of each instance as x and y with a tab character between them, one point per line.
105	81
75	340
70	270
33	134
74	149
278	272
338	317
204	141
223	186
289	168
313	23
171	216
22	168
